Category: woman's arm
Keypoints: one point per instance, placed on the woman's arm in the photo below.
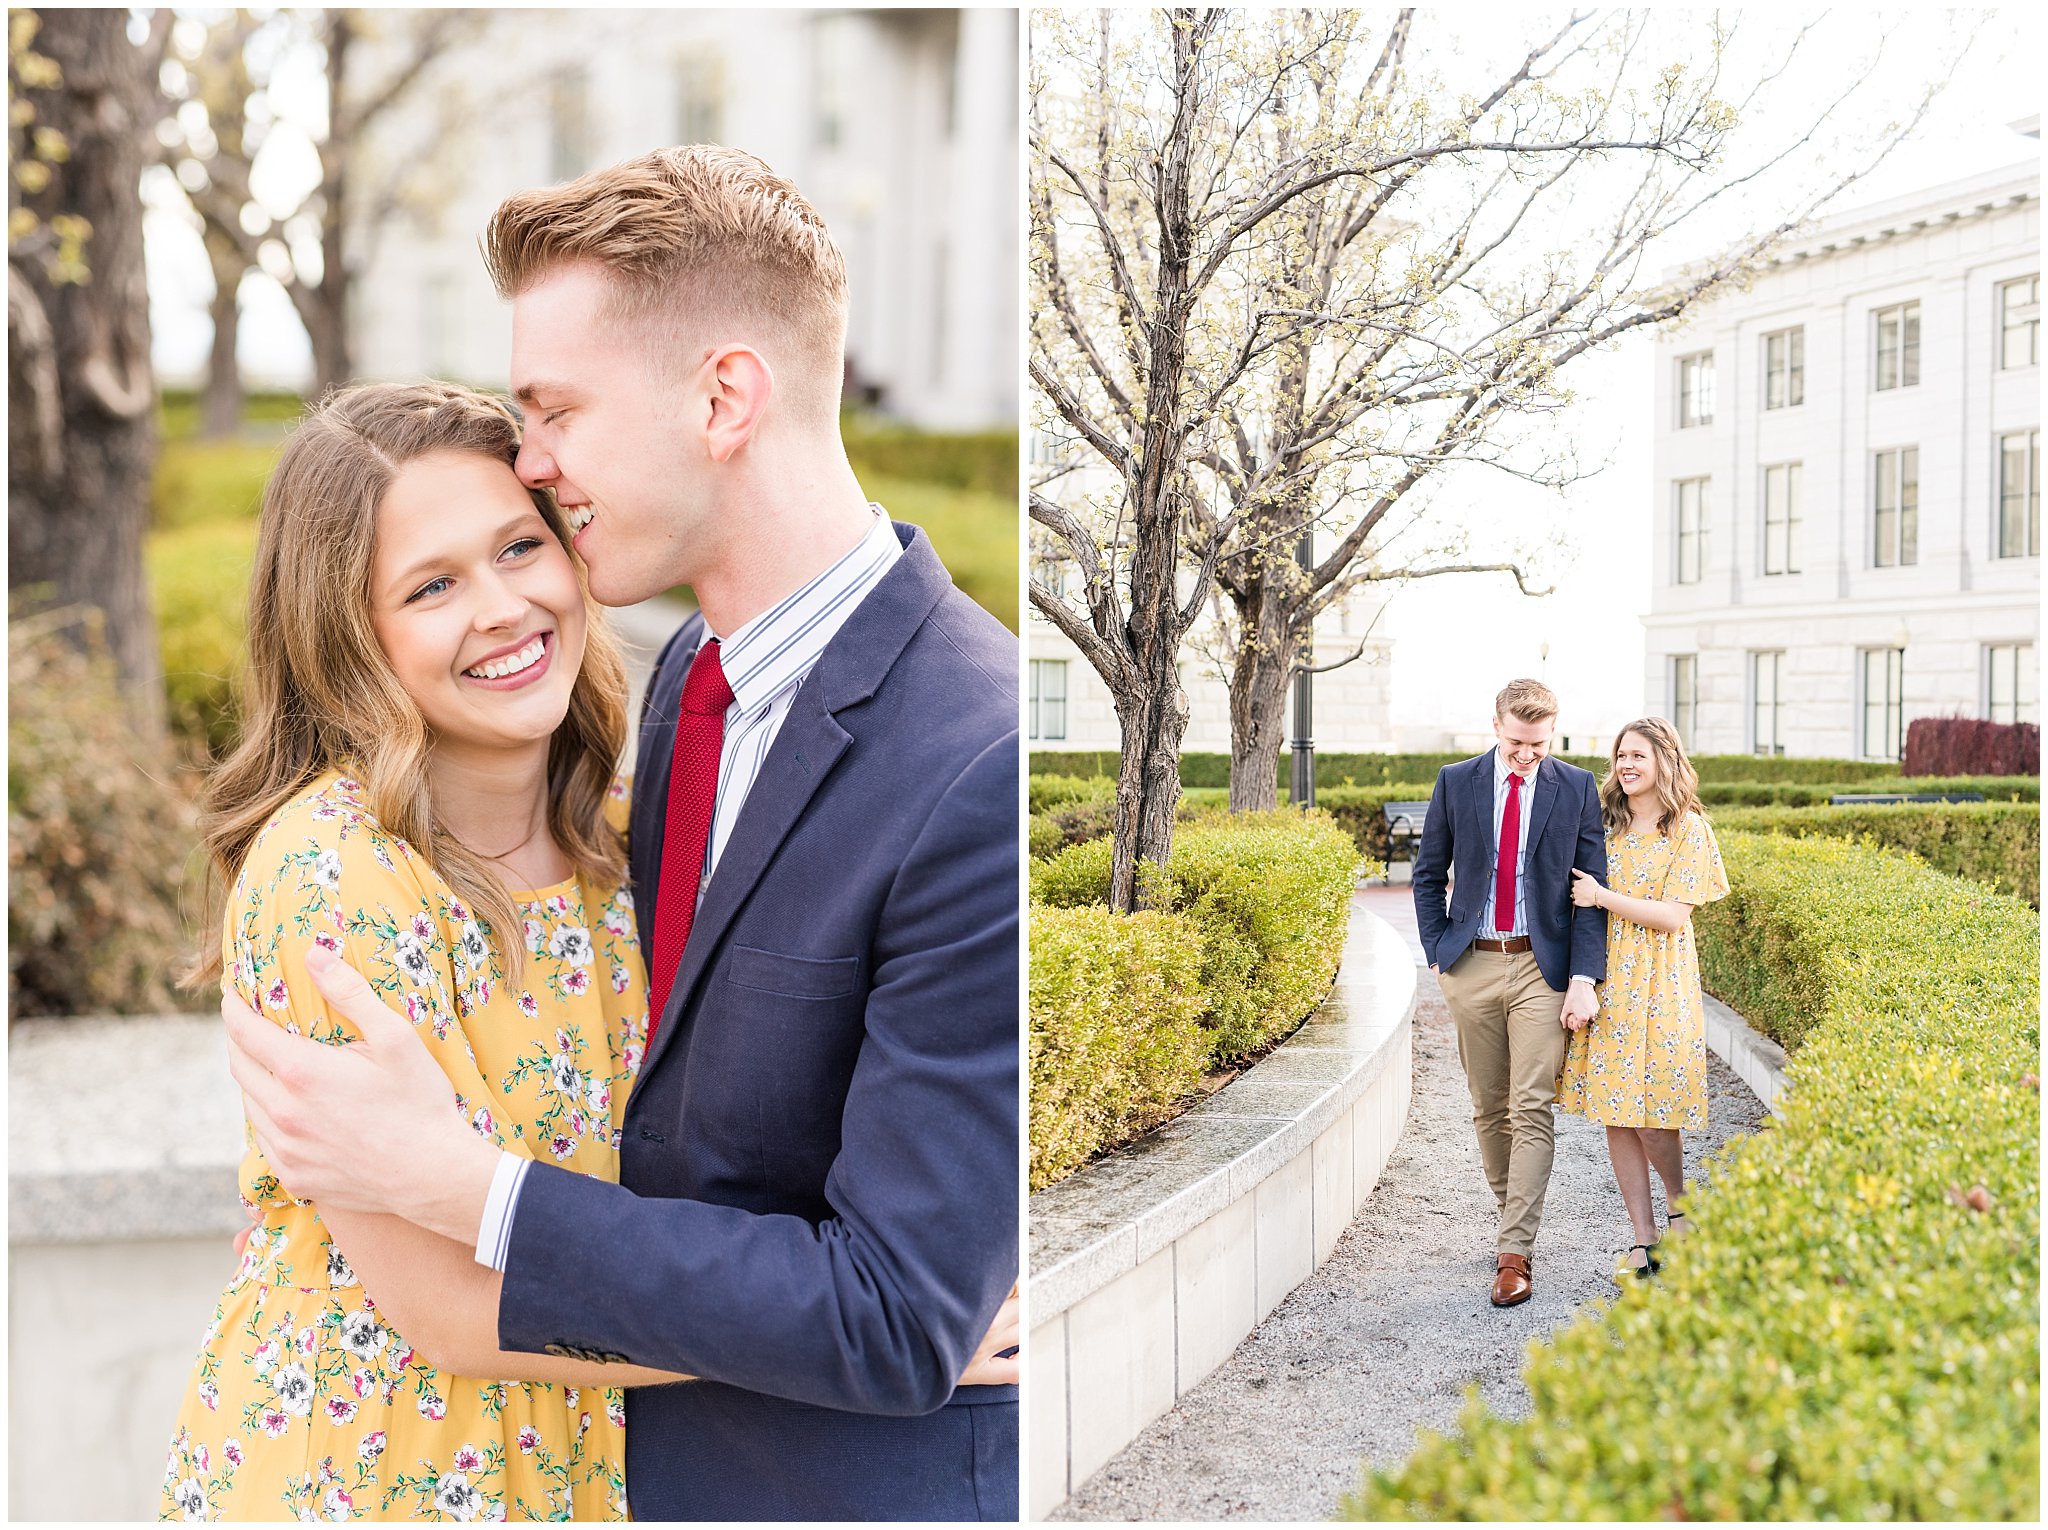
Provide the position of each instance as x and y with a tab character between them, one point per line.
434	1294
431	1290
1654	913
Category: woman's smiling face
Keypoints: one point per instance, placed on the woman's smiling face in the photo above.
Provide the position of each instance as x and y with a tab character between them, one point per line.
475	603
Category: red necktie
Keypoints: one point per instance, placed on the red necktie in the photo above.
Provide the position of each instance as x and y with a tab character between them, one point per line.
1504	861
692	789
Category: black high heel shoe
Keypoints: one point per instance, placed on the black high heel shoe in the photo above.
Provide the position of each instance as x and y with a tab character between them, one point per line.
1650	1265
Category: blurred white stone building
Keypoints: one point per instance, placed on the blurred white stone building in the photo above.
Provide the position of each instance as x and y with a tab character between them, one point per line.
1847	483
899	125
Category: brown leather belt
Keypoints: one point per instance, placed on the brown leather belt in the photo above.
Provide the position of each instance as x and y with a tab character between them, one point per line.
1510	946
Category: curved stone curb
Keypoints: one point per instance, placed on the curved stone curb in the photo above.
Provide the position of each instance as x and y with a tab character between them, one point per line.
1757	1060
1149	1267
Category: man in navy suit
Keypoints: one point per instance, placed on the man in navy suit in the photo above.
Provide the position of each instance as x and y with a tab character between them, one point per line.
1517	961
817	1212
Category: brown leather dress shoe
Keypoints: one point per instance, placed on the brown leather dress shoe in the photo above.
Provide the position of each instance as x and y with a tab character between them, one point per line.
1511	1280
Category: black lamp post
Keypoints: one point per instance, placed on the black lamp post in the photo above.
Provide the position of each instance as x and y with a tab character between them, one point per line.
1302	784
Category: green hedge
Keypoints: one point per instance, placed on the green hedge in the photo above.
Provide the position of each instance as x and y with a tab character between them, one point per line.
1339	769
1717	794
1116	1037
984	461
1853	1330
1271	893
199	584
1997	843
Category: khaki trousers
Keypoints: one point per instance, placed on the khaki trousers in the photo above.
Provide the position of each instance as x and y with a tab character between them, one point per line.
1511	1046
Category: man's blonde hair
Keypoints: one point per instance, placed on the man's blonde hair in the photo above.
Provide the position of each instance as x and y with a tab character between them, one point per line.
699	239
1530	700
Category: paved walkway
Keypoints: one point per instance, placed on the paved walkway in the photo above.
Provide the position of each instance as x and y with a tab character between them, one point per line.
1383	1339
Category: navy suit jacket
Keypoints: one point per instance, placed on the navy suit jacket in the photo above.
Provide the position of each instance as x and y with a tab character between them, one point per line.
1565	831
818	1206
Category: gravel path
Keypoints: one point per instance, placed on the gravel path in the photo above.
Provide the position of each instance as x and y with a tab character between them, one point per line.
1383	1339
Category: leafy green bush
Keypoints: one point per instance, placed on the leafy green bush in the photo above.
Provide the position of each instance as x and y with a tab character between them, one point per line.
1997	843
180	411
1335	768
1045	837
98	841
1271	893
1116	1039
1052	791
199	583
208	482
984	462
1853	1330
1718	794
974	534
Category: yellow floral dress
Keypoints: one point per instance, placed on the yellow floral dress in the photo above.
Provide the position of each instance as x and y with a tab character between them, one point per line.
304	1403
1643	1060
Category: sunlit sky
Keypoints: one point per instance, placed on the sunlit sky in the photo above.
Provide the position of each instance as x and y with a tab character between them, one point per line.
1456	639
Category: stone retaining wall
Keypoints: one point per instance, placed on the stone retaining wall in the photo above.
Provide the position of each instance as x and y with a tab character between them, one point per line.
1151	1265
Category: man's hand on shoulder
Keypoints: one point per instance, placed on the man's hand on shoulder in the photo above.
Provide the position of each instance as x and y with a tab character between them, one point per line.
370	1126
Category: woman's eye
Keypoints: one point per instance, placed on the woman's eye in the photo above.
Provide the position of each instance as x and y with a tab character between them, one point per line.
522	547
431	587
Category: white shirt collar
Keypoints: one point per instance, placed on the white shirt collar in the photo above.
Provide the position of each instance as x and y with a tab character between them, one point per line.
780	645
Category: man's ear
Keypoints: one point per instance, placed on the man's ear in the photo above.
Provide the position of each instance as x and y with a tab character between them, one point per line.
740	386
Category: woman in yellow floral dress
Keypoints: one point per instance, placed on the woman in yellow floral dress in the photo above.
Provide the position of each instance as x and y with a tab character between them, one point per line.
1640	1068
409	759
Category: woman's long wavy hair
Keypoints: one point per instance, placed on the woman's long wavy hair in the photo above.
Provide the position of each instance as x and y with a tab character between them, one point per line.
318	692
1678	784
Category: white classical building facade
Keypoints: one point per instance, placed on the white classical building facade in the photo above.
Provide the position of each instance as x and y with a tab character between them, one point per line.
899	125
1846	479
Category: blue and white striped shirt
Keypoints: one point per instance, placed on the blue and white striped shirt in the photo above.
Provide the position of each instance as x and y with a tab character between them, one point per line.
765	662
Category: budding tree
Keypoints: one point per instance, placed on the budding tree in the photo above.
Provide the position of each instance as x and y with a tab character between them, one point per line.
1287	281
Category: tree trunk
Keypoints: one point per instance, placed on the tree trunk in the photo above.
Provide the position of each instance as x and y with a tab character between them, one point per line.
1147	788
1259	673
82	426
223	412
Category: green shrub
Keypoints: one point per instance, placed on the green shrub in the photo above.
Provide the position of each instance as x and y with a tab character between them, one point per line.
974	534
982	461
1997	843
180	412
1045	836
98	841
1845	1335
1116	1039
1052	791
199	583
1337	768
205	482
1271	893
1720	794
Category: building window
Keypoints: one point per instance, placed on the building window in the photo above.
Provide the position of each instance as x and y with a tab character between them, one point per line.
1051	572
568	124
1048	698
2010	683
1692	529
1696	390
1767	702
1884	733
1785	368
1895	508
1781	518
1898	347
700	98
2019	495
2019	322
1685	695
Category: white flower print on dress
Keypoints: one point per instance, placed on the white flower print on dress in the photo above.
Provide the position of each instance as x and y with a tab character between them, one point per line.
472	948
529	1437
327	869
432	1405
362	1335
294	1386
339	1273
190	1496
336	1507
571	943
342	1409
454	1497
563	1074
265	1357
210	1395
372	1446
232	1450
468	1459
275	1423
412	958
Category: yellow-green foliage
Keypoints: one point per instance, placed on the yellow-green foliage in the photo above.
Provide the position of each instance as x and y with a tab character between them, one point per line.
1845	1335
1997	843
206	482
99	841
1271	893
1116	1035
973	532
199	583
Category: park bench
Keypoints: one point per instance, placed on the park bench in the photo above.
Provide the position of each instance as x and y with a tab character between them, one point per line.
1404	828
1874	799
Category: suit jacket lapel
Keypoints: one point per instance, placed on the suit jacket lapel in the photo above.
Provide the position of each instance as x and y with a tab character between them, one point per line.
1547	780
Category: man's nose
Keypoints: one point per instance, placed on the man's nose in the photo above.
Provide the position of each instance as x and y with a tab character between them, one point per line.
534	465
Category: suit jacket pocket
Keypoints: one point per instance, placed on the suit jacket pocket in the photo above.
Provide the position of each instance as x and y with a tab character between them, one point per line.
796	977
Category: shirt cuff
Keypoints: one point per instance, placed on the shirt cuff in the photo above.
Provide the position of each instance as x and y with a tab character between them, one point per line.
1577	977
494	1235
